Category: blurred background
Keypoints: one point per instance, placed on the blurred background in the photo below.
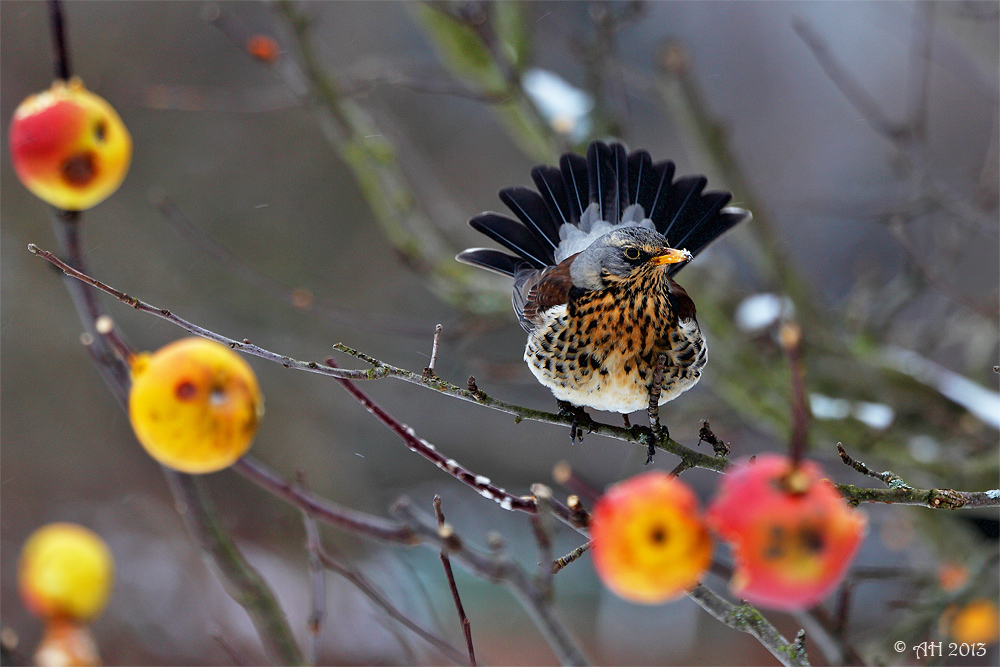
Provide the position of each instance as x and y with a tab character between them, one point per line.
863	136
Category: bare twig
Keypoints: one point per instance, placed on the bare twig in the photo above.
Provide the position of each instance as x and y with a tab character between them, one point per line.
859	98
705	434
463	619
679	468
240	579
560	563
790	335
889	478
901	493
60	45
321	509
317	588
429	371
541	526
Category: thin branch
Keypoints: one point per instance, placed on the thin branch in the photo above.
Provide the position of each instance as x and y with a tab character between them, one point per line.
317	587
889	478
542	529
705	434
463	619
60	45
933	498
372	592
498	568
560	563
790	335
901	493
382	370
321	509
747	619
429	371
858	97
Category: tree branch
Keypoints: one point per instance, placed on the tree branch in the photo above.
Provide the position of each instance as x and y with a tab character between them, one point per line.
382	370
747	619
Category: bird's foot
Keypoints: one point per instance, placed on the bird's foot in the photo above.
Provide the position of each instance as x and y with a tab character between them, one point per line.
580	421
650	435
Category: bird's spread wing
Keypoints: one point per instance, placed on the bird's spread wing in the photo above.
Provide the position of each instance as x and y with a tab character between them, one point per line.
537	291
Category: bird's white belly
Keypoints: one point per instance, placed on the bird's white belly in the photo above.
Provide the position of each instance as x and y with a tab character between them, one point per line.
616	390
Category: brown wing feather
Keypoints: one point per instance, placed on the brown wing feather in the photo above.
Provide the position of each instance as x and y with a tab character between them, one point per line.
543	290
680	302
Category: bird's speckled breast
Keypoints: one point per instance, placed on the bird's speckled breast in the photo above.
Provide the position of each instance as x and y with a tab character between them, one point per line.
600	350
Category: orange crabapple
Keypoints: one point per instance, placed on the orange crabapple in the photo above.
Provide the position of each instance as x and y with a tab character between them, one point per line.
650	543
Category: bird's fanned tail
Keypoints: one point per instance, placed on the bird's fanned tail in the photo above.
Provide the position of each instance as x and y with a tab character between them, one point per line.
608	182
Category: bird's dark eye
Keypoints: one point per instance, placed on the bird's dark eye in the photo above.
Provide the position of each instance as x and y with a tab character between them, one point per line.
631	253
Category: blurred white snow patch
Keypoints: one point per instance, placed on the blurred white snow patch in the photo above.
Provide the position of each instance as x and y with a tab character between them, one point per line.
924	449
980	401
824	407
876	415
762	310
565	107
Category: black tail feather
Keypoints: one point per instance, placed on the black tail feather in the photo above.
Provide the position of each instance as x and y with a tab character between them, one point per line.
494	260
549	181
574	173
514	236
531	209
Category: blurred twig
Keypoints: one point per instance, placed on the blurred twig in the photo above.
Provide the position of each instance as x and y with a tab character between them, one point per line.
463	619
363	146
317	587
372	592
299	298
243	583
500	569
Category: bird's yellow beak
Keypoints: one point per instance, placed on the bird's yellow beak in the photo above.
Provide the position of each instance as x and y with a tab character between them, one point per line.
671	256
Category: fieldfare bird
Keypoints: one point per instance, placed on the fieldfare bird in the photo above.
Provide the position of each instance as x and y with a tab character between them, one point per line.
593	273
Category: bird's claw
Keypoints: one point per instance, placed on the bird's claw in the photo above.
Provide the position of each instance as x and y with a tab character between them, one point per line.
647	435
580	420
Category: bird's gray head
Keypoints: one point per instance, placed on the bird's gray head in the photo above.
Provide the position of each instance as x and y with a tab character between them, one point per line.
620	253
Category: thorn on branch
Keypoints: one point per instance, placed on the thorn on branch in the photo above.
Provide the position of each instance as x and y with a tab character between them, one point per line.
889	478
799	644
705	434
429	371
476	392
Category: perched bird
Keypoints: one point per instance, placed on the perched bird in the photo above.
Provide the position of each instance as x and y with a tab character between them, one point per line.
596	249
